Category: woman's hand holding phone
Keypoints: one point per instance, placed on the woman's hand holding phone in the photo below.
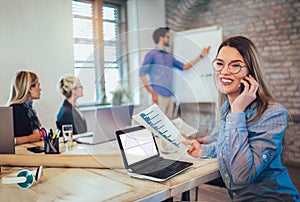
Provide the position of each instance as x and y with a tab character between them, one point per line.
247	96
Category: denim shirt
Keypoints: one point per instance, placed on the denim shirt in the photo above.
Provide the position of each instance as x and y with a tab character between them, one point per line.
249	154
158	65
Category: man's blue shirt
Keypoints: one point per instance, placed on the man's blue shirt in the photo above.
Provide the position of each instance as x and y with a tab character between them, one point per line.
158	65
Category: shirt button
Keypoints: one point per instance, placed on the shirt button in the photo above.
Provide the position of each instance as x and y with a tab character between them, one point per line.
226	175
264	156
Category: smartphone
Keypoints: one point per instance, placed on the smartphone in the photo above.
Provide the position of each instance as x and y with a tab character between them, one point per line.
242	86
37	149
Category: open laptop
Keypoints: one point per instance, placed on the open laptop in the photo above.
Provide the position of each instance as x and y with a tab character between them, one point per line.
141	156
103	122
7	143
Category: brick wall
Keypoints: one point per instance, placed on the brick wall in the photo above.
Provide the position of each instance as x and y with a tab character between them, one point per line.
274	26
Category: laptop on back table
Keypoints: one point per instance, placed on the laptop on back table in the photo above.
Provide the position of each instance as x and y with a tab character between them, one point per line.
103	122
7	144
141	156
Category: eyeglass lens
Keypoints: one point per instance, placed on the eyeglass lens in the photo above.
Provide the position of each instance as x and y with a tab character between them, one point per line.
233	67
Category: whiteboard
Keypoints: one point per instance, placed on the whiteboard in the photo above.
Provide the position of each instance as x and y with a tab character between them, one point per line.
197	83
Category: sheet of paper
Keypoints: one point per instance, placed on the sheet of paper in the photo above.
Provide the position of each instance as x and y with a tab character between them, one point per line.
157	122
184	128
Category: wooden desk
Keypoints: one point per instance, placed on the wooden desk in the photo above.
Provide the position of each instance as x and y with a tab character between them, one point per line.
77	184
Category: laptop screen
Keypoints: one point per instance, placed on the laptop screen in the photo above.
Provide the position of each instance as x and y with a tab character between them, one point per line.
7	144
104	121
137	145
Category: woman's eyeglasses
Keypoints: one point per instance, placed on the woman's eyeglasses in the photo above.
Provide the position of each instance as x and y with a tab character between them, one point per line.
234	67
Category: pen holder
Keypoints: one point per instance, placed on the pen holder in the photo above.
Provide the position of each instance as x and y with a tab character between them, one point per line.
51	146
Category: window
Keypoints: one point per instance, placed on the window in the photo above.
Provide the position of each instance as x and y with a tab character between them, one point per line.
110	31
97	27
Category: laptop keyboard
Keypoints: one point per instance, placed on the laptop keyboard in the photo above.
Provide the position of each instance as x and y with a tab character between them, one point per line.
156	166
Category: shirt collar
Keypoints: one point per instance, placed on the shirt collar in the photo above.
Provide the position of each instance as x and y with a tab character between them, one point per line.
159	49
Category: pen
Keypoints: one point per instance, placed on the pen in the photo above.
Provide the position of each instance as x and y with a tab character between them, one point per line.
50	135
57	133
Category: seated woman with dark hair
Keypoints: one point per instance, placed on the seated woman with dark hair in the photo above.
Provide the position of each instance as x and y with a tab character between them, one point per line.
69	113
25	89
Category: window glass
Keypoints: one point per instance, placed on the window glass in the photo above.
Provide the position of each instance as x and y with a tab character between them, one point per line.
110	53
109	31
82	28
111	75
88	62
87	79
84	52
81	8
109	13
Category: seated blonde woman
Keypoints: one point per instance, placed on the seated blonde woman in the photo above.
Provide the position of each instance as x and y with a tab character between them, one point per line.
69	113
25	89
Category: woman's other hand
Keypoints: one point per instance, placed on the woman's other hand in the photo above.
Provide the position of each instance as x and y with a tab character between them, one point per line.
195	148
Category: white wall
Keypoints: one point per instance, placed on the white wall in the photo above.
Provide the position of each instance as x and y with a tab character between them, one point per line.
144	17
36	35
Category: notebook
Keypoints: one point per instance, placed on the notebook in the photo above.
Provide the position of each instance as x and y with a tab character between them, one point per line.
7	143
103	122
141	157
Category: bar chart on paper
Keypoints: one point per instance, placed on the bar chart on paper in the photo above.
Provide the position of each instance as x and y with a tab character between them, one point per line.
156	121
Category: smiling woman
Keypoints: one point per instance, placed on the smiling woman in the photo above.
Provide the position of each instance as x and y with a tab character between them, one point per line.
230	74
25	89
247	139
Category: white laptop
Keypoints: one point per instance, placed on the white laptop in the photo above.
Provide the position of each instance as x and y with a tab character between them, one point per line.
103	122
7	143
141	156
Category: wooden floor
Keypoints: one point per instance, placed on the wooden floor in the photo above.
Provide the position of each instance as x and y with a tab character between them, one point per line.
209	193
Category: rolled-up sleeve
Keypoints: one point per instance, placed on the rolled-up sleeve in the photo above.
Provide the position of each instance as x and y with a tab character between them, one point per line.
177	64
209	149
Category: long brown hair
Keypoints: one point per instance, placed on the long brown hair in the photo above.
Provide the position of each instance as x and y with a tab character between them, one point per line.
253	61
21	86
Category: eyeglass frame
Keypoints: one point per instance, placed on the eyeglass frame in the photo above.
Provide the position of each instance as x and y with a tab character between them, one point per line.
228	65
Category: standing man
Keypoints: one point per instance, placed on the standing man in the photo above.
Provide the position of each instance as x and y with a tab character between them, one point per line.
156	72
